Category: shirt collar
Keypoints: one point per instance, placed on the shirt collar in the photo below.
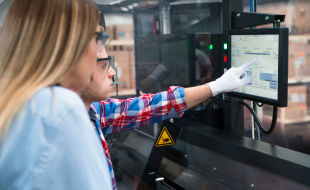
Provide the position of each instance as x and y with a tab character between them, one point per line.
92	115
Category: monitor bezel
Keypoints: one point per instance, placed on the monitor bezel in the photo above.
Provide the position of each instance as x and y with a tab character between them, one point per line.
282	64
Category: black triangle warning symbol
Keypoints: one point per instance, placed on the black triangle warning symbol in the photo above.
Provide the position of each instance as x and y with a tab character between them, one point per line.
164	138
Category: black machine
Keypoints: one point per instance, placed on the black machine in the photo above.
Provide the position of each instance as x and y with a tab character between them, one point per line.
179	53
208	148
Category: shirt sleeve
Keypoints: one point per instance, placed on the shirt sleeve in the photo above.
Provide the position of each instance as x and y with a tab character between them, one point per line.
121	115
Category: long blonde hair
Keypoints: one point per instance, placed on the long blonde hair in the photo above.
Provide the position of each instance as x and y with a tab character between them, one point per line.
41	42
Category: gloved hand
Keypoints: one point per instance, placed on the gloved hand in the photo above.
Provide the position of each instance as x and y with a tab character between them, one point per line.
233	79
161	72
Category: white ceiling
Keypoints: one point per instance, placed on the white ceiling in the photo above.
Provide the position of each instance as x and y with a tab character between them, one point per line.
109	2
194	1
103	2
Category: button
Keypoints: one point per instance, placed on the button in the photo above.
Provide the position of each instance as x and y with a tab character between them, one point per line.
225	58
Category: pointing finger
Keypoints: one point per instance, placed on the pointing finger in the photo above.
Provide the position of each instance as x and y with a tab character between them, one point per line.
247	65
243	75
246	80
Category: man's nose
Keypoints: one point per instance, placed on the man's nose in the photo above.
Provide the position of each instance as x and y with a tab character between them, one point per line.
112	72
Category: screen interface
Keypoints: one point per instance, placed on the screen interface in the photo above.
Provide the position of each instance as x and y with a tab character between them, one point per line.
245	48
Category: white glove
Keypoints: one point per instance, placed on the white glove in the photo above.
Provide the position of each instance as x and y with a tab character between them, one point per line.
233	79
161	72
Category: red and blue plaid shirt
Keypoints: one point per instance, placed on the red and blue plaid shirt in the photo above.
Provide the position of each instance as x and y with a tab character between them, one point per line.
114	115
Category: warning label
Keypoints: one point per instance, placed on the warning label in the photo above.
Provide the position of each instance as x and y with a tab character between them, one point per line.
164	138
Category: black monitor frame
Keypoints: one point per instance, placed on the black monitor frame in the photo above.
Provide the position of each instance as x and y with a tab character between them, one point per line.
191	44
282	64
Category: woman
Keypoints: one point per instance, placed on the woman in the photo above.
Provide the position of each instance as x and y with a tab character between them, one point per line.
46	139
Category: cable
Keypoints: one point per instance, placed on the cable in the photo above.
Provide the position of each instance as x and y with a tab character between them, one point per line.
253	105
255	109
259	124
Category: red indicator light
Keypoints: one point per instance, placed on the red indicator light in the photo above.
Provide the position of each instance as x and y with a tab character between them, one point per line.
211	58
225	58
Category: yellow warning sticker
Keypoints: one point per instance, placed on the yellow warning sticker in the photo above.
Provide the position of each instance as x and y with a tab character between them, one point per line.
164	138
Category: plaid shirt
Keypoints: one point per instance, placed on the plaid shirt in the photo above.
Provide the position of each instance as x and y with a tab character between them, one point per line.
114	115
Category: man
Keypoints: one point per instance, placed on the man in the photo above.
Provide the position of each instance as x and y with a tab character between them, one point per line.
114	115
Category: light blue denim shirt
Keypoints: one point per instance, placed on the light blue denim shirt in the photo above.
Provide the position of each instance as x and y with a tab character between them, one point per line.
51	144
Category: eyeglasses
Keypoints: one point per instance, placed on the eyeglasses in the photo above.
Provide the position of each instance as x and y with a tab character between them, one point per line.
102	41
104	63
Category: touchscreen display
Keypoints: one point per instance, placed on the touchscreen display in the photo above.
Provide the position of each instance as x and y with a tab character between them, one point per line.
245	48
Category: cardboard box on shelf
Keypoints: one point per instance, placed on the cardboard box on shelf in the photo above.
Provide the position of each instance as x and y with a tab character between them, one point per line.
109	49
301	17
299	58
297	21
297	15
121	37
124	32
296	106
124	63
294	112
297	95
113	48
111	31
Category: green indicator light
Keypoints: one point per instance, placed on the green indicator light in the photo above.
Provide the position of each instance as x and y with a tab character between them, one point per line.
211	46
291	55
225	45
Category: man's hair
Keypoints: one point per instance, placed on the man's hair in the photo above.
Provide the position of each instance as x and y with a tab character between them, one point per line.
41	42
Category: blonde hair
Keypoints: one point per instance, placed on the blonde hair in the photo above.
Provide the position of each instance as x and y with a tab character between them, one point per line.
41	42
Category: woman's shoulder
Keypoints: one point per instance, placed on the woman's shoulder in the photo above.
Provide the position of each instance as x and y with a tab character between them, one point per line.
54	100
57	93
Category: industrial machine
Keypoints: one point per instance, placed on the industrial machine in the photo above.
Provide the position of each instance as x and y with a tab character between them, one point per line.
207	149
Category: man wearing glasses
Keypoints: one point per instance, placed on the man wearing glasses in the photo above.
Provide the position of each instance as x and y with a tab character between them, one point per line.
114	115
